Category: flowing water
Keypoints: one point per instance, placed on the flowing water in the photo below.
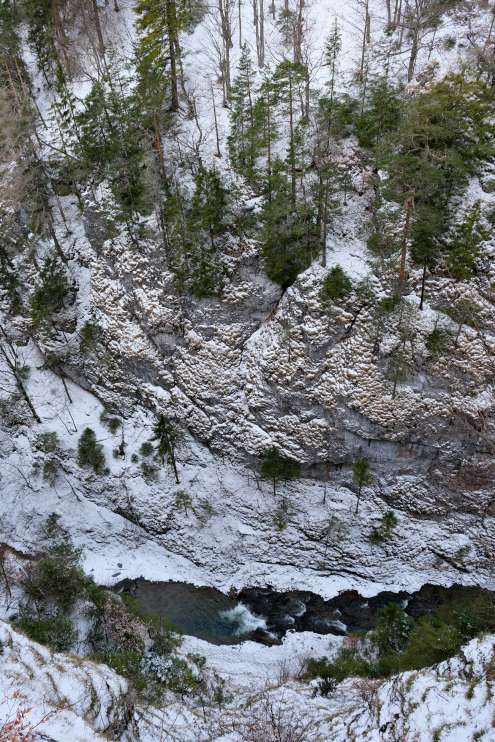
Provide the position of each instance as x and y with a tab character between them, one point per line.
265	615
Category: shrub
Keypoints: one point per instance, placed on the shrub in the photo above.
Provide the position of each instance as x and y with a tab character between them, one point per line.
149	472
50	470
389	303
112	423
56	577
393	628
381	534
431	641
336	285
348	663
49	297
47	442
90	453
89	335
437	342
56	631
281	516
146	449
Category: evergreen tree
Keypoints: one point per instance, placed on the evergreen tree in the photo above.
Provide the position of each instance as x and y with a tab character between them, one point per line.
167	437
361	476
206	223
50	295
381	114
398	368
463	246
464	312
241	140
160	23
331	53
277	467
289	235
443	137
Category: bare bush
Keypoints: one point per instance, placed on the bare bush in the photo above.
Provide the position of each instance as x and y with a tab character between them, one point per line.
271	720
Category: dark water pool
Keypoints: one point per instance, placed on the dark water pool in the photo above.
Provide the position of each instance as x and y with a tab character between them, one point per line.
265	615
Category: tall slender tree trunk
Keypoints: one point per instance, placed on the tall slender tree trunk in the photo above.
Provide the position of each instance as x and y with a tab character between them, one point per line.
358	500
262	35
172	45
96	15
324	221
217	153
256	24
413	55
292	146
423	281
269	150
408	206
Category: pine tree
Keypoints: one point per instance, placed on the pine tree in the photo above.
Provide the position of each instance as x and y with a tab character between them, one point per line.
277	467
167	437
443	137
361	476
242	151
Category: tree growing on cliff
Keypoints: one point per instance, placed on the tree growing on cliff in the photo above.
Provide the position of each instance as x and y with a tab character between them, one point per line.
277	467
90	452
361	476
167	437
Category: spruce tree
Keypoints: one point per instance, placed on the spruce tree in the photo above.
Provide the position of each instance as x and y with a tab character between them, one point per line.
241	142
361	476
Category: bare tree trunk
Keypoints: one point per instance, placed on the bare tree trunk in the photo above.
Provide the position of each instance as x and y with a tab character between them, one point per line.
218	153
324	220
413	55
298	32
269	151
261	60
172	45
292	146
423	281
240	22
101	43
256	25
225	8
389	14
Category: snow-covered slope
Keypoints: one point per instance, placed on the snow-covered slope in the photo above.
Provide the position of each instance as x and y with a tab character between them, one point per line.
68	698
